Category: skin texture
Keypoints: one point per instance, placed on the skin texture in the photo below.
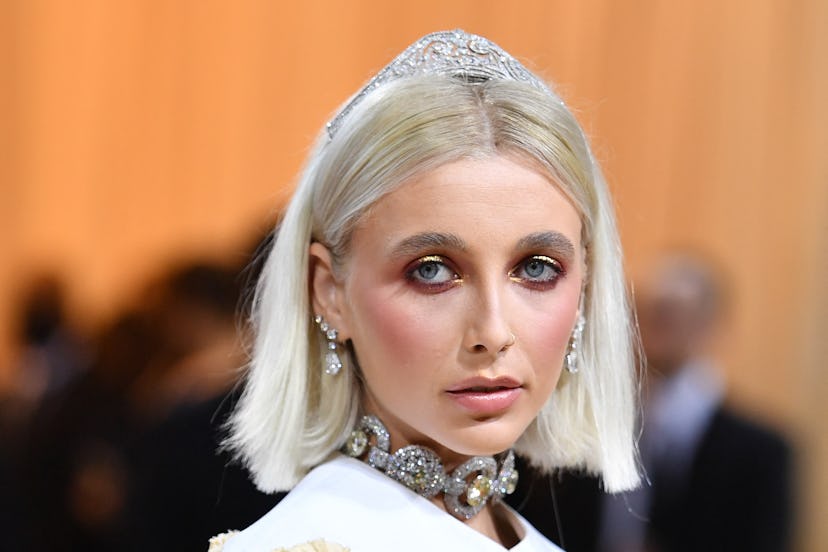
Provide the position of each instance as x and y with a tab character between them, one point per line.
472	270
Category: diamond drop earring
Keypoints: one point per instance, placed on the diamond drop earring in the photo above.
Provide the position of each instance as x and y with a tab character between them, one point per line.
571	359
333	364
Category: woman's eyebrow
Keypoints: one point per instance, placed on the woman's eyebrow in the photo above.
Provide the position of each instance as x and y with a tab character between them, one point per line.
417	243
548	240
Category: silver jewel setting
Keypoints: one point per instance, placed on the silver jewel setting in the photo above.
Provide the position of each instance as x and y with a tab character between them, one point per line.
466	490
333	364
571	359
450	53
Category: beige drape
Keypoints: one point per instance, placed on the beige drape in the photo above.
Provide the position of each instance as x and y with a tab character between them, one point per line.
133	132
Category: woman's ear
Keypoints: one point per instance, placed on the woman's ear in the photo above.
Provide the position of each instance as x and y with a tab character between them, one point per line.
325	290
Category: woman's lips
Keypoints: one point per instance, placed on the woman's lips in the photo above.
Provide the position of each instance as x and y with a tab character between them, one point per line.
485	396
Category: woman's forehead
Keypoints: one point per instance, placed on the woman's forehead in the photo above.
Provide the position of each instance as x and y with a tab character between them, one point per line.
473	200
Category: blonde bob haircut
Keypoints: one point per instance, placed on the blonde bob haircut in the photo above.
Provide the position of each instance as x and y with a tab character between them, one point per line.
291	417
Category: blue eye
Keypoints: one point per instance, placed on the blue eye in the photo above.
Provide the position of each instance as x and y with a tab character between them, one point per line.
429	271
432	271
538	270
535	268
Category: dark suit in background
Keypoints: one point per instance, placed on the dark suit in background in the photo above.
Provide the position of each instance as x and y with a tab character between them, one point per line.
718	480
737	496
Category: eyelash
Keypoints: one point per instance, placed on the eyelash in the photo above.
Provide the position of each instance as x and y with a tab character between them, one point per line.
539	284
413	274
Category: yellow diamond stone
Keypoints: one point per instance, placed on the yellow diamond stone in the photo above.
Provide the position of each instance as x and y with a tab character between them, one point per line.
479	490
356	443
511	482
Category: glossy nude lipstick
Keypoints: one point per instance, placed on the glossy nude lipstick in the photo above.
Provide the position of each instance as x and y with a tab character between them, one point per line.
484	395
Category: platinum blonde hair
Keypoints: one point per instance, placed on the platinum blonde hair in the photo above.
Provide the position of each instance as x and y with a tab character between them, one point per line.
290	418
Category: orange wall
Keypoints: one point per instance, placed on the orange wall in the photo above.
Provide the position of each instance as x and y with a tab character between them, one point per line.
133	132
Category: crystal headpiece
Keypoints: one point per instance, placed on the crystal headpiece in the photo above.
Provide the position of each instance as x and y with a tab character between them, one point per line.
450	53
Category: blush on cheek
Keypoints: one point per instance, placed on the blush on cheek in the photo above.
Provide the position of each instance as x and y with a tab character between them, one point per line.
397	332
551	333
555	334
389	325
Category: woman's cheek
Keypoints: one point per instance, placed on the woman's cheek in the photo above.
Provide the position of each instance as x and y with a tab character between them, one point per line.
550	330
557	330
402	328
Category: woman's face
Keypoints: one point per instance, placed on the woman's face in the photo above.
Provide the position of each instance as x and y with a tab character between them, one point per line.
460	293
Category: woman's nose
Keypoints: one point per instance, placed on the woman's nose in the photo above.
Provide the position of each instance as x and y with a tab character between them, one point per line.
488	329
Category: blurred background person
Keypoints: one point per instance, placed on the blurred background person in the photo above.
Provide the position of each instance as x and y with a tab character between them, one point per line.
50	351
185	486
50	355
74	472
718	480
124	455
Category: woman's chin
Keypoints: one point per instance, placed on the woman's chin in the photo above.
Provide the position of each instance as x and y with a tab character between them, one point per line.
483	441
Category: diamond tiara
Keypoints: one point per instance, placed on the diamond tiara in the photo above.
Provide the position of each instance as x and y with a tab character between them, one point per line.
449	53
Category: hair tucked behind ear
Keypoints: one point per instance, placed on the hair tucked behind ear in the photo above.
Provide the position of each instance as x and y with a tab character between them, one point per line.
290	419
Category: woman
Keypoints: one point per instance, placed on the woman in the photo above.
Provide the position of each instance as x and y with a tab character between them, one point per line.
446	285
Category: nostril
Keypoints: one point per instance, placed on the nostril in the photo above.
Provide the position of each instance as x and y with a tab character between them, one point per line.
479	348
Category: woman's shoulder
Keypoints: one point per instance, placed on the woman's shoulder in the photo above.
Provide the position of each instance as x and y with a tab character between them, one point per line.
344	504
309	519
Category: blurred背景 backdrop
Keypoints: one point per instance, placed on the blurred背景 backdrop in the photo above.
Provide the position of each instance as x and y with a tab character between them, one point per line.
135	132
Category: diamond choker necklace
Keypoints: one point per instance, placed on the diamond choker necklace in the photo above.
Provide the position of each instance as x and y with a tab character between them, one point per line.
465	491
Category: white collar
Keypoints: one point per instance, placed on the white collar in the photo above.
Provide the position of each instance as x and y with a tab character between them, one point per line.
347	502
